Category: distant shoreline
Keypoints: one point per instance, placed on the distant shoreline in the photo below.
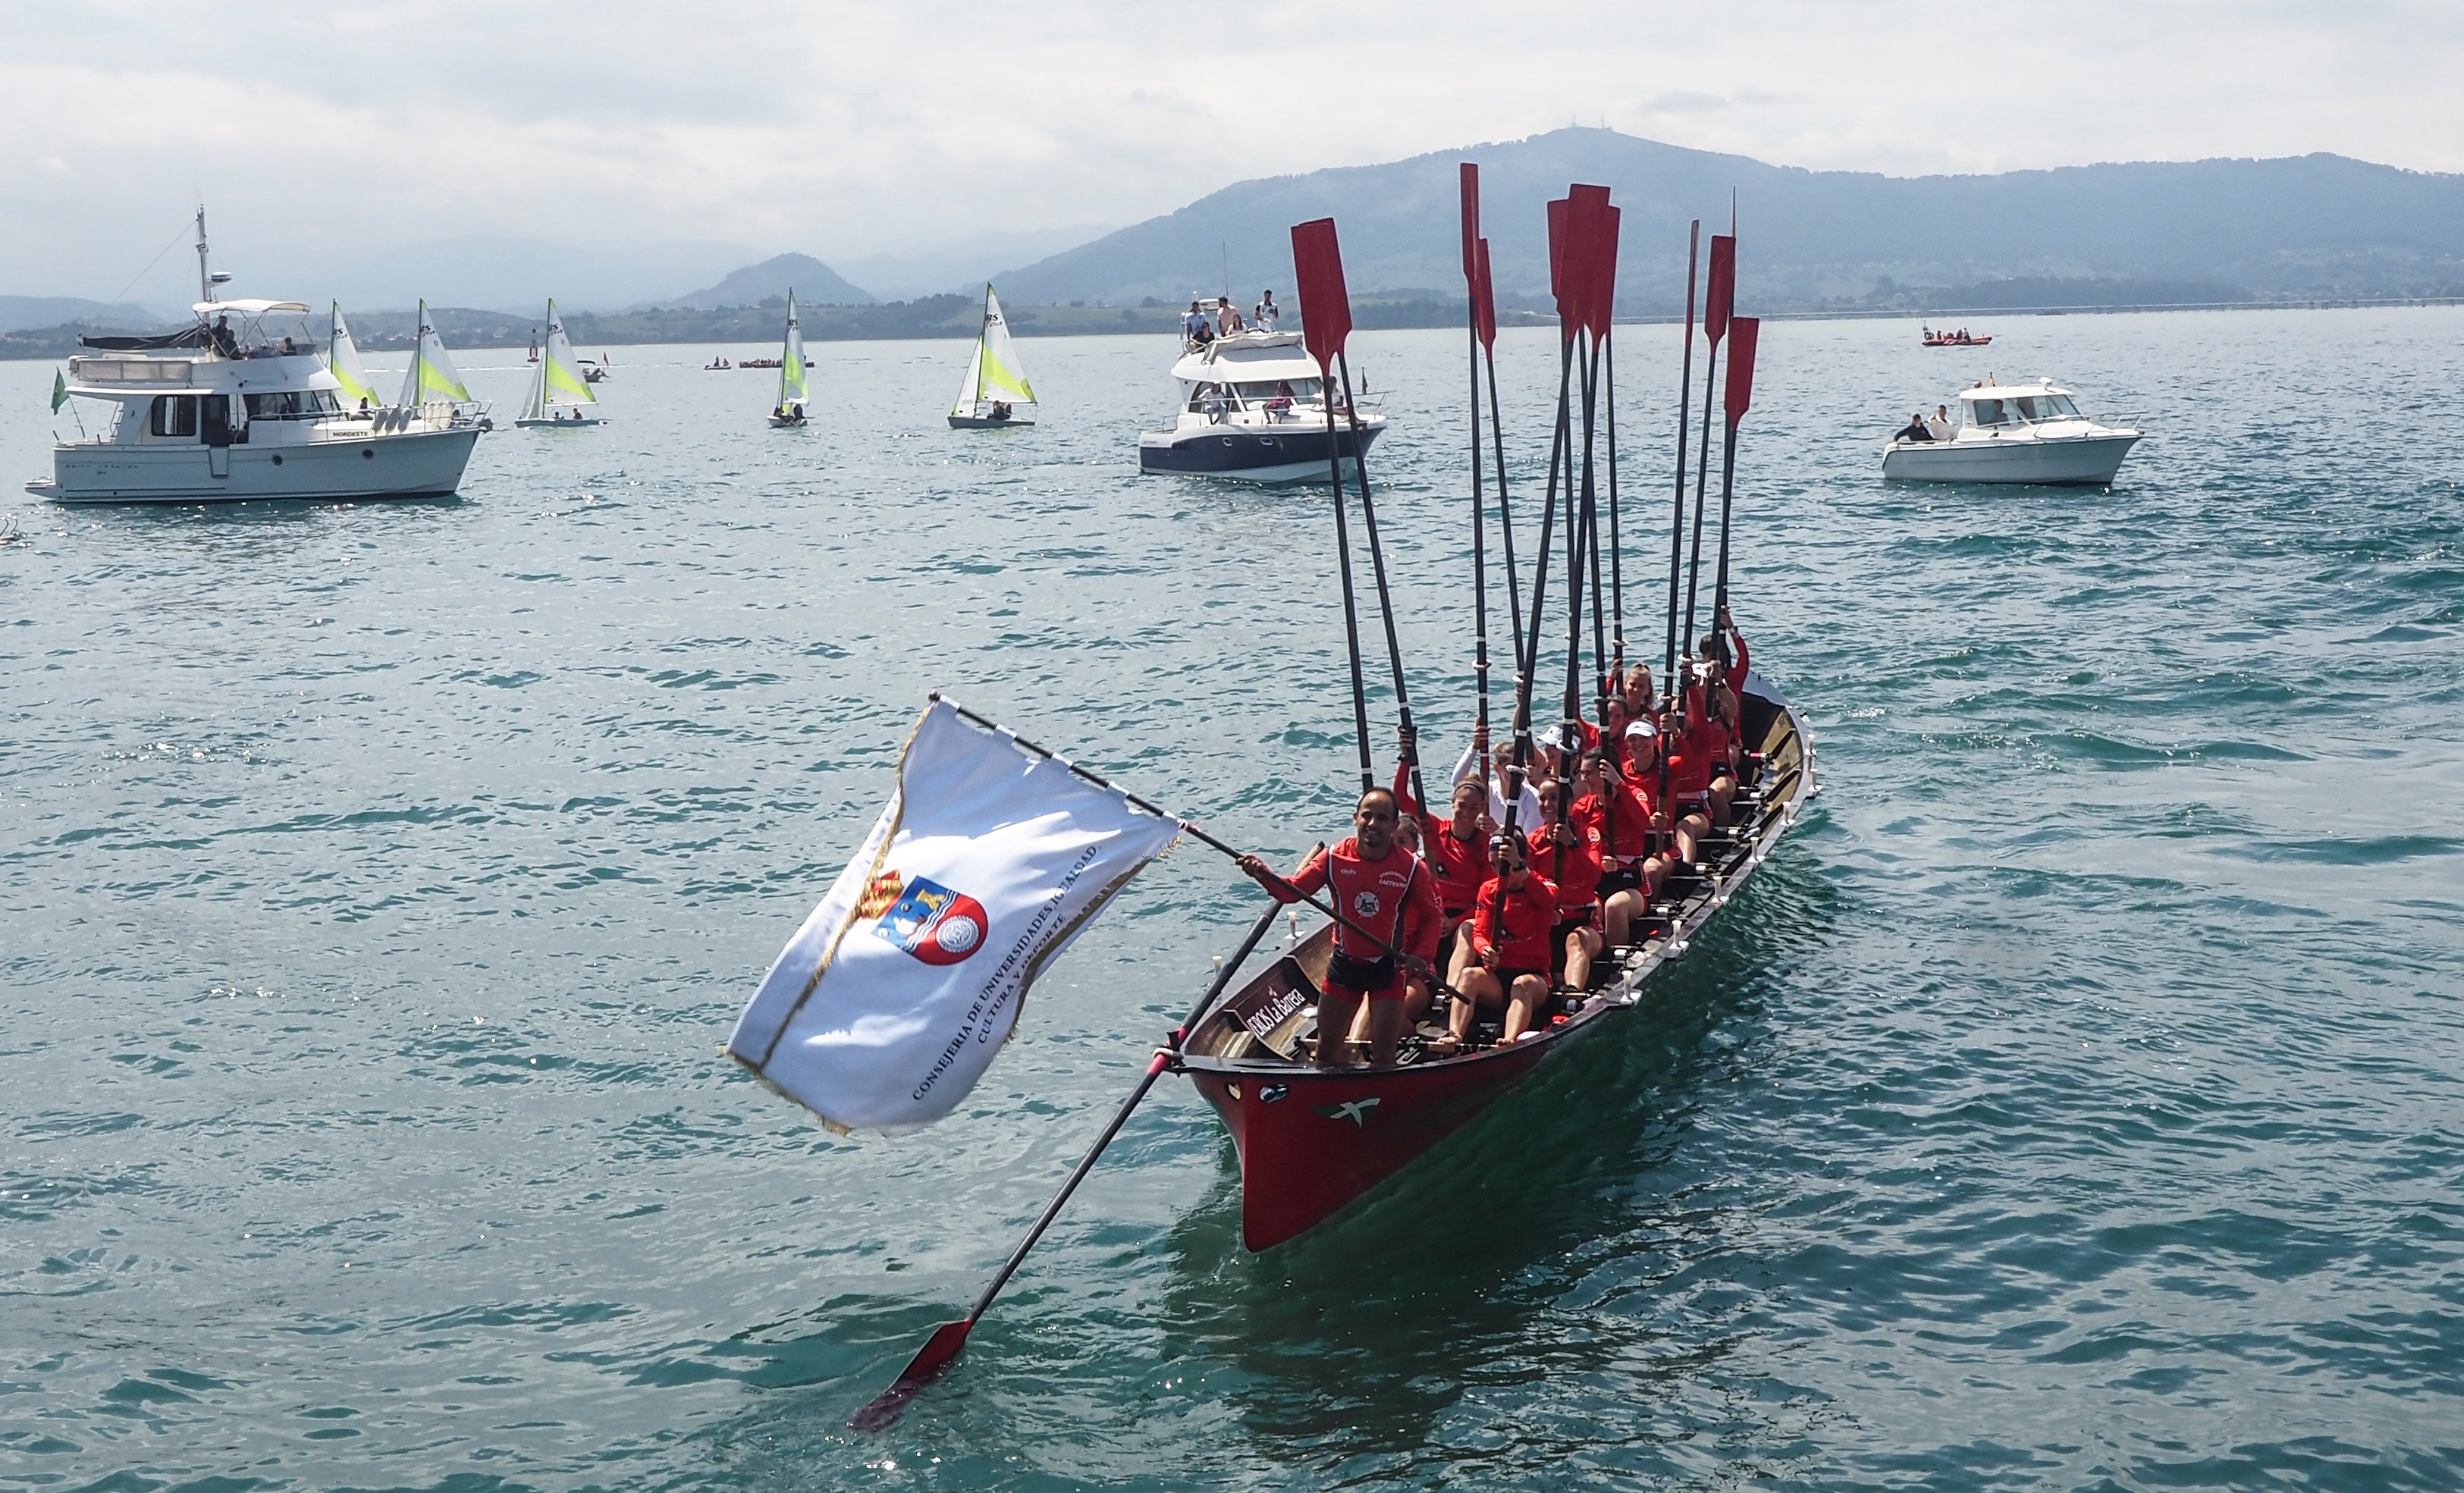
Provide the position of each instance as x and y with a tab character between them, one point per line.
1369	314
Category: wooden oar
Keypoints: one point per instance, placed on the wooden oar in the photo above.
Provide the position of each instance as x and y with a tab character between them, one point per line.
950	1338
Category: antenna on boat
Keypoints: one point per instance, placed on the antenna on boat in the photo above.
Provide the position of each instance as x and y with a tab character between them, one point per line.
205	275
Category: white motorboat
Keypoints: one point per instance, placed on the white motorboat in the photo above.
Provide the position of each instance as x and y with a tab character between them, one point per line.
224	410
1252	411
2014	432
995	387
560	397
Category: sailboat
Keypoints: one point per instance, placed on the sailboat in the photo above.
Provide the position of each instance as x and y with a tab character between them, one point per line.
789	412
558	386
343	361
431	379
995	384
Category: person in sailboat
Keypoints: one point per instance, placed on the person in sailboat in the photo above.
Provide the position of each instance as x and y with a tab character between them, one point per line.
1388	899
1000	410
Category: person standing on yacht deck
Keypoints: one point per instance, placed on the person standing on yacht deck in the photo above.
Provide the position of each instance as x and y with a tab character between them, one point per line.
1268	312
1939	426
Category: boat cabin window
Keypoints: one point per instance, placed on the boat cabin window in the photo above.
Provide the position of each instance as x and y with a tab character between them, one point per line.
2059	406
174	414
1298	390
1206	398
1986	411
292	404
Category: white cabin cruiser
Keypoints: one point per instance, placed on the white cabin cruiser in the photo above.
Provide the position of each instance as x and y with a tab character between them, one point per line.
1251	409
224	410
2014	432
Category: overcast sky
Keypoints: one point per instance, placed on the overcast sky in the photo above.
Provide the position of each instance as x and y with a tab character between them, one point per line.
330	131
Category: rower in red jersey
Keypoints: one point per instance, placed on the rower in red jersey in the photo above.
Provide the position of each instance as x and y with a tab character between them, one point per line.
1387	930
1562	851
1690	772
1505	960
1615	809
1456	847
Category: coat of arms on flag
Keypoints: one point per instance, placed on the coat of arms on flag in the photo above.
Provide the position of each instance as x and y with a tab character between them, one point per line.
933	923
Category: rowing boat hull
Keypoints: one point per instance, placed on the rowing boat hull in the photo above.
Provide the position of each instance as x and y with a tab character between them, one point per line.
1311	1143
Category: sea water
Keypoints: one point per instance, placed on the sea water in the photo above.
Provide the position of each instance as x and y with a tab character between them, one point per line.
2073	1102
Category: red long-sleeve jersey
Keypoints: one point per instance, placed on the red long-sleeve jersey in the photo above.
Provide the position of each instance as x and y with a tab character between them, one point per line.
1460	865
1530	919
1395	899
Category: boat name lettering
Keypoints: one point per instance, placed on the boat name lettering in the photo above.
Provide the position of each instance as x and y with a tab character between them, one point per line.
1263	1021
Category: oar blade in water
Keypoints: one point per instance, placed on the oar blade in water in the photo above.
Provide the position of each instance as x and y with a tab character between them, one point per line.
939	1352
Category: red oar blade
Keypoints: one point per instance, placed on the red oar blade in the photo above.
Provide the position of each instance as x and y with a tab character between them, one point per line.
1720	297
1743	333
941	1350
1485	293
1326	307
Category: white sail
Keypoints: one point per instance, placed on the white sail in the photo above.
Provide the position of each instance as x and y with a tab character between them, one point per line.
343	361
1000	375
971	388
791	361
432	376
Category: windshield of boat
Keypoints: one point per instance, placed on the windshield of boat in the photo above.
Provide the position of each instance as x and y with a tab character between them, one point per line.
1251	394
2022	410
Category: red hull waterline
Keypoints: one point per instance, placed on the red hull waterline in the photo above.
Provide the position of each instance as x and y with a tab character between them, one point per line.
1312	1143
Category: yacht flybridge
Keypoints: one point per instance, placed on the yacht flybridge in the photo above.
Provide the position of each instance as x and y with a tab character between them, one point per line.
226	409
2014	432
1251	409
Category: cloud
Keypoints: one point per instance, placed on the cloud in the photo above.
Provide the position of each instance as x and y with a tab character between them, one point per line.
858	130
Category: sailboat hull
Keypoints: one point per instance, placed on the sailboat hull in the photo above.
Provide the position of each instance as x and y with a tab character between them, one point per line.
985	423
558	424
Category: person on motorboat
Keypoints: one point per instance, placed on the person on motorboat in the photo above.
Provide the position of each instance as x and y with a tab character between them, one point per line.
1565	852
1505	961
1914	430
1227	318
1196	331
1939	426
1388	899
1212	402
1280	407
1267	314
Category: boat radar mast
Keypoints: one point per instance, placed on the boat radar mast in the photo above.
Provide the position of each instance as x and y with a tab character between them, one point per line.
208	278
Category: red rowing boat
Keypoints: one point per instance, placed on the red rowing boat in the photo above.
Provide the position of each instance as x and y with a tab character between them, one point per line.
1311	1142
1934	338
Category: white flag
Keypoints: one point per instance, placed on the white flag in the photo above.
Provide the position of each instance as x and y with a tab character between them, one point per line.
893	998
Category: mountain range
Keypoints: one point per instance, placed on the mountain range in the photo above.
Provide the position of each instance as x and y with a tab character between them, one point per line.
2317	225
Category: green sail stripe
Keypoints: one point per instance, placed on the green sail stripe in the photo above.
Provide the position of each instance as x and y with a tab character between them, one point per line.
793	375
993	375
432	377
353	387
558	376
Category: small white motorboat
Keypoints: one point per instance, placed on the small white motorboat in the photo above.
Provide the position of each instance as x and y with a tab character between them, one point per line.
2014	432
1251	409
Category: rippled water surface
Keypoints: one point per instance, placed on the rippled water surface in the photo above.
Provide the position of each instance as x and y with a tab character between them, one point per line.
2073	1103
